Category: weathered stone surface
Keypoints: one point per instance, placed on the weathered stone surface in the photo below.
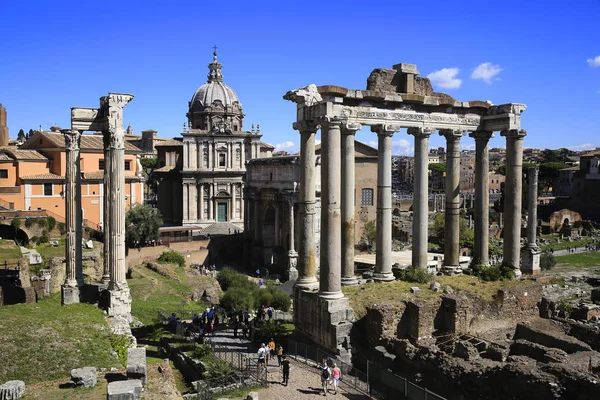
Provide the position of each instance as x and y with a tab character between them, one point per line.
252	396
415	290
435	286
596	294
465	350
124	390
537	351
12	390
136	364
546	336
496	353
85	377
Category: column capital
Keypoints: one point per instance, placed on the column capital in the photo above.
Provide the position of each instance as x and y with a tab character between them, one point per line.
72	139
306	126
485	135
420	131
452	134
514	134
350	128
328	120
385	129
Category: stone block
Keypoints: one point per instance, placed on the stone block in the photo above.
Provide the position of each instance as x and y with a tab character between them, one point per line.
549	338
435	286
415	290
84	377
465	350
252	396
119	303
596	294
136	364
124	390
496	353
70	295
12	390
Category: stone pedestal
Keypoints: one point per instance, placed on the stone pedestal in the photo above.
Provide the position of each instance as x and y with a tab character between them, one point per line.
326	321
124	390
69	295
136	364
530	261
119	303
292	263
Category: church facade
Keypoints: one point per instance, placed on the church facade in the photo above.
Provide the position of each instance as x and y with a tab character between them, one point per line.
214	152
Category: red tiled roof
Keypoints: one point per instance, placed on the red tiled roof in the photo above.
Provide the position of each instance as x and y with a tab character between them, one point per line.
47	176
88	142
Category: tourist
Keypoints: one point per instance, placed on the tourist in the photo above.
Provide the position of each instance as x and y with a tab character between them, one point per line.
270	312
285	369
279	354
336	375
271	349
244	329
261	357
325	376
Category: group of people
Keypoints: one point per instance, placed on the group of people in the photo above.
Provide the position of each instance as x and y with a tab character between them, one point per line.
264	312
331	374
271	351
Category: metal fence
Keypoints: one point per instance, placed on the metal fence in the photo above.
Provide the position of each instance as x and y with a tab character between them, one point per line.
245	363
376	382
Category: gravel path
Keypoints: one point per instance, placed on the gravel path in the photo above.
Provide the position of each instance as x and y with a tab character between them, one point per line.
304	383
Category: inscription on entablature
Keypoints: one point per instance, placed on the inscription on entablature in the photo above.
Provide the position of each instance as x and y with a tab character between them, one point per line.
400	116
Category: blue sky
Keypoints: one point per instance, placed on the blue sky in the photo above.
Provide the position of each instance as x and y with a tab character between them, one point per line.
59	54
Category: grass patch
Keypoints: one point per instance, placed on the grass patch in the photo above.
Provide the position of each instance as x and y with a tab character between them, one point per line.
563	243
44	341
581	260
9	251
47	250
472	284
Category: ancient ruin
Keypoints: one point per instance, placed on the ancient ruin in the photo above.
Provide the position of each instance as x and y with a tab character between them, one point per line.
394	99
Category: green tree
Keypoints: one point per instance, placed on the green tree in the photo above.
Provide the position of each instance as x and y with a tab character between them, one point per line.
369	235
142	223
29	134
439	167
467	236
21	135
559	155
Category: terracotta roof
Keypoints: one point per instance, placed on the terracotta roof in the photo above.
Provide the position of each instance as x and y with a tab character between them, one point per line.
93	175
5	157
268	146
88	142
17	154
591	153
47	176
170	143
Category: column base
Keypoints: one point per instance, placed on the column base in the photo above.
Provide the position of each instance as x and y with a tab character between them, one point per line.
349	281
105	279
383	276
530	260
452	270
119	303
331	295
310	283
69	295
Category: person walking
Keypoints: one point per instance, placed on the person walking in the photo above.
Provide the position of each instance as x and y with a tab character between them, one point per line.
285	369
271	349
261	357
279	354
325	376
336	376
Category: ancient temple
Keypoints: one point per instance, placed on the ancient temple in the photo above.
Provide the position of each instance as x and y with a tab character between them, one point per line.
214	152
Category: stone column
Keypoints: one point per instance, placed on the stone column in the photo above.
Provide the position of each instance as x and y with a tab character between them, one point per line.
348	207
292	255
242	206
307	269
106	212
192	201
73	279
330	286
512	198
201	202
482	197
383	252
233	202
531	252
420	197
452	214
210	200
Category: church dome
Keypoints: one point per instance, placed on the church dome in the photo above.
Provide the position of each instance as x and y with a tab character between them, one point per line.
215	103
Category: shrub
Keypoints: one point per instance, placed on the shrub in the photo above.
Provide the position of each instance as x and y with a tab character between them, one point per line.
16	223
157	333
218	371
34	240
416	275
172	257
43	239
51	223
237	298
262	297
547	261
281	301
120	344
229	277
62	228
42	223
29	222
201	350
496	273
270	329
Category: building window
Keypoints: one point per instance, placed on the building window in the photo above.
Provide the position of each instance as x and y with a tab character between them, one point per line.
101	164
221	159
127	165
367	197
47	189
3	173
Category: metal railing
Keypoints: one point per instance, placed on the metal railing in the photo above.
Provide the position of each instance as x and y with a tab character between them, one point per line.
376	382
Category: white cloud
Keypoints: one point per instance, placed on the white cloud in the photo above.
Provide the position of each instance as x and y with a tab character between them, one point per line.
285	146
401	147
581	147
445	78
594	62
486	71
317	141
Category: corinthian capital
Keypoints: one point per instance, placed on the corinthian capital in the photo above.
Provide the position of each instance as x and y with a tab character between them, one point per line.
514	134
72	139
420	131
482	135
328	120
385	129
350	128
452	134
306	126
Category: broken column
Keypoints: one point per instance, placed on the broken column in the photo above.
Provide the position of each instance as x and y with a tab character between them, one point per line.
74	273
119	301
383	251
420	199
348	208
512	199
531	252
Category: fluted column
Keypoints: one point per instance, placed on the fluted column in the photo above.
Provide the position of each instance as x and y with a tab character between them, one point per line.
420	198
200	202
74	277
512	198
330	285
193	201
482	197
307	269
348	206
383	251
452	214
106	213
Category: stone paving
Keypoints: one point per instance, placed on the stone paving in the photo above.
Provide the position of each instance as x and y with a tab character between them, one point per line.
304	383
